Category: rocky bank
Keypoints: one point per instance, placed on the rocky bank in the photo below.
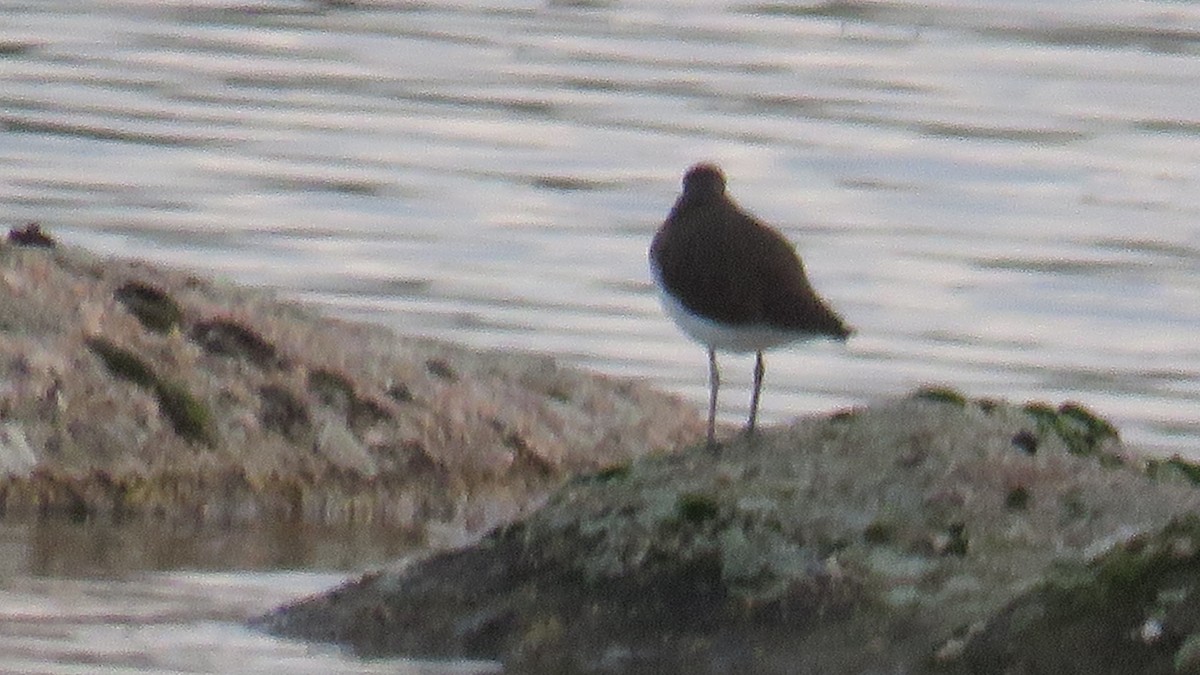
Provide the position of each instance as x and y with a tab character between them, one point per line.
930	534
127	389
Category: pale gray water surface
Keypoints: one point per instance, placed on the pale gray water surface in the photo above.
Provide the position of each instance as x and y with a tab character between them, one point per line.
1001	196
146	597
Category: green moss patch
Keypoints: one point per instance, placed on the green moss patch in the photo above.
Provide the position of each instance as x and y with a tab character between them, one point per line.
612	473
956	541
609	474
439	368
1017	499
941	395
189	417
151	306
1160	469
123	363
879	532
227	338
988	405
284	413
696	508
1083	432
337	391
400	393
1130	610
331	389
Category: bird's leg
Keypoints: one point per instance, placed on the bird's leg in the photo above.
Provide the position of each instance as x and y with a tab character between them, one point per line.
759	368
714	383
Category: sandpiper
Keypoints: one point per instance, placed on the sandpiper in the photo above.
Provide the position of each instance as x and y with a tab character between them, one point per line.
732	283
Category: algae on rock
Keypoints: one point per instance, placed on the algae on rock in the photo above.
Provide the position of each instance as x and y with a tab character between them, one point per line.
140	389
1135	608
878	540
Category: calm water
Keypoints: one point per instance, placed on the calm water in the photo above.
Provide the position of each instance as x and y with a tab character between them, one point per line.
1002	196
151	598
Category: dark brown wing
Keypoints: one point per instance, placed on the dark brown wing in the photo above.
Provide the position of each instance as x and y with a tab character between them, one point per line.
788	299
724	264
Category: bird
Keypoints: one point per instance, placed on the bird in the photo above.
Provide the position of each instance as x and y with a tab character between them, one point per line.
733	283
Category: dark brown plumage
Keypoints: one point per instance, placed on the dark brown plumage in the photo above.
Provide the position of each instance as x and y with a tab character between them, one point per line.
724	264
733	283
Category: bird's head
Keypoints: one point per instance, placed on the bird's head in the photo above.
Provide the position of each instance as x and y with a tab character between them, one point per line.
703	181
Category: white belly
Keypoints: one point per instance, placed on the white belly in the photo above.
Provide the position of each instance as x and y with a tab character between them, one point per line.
724	337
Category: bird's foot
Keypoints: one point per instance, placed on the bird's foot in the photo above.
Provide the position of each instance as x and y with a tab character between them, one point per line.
750	432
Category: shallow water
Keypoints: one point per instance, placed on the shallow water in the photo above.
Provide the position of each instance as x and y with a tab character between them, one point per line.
1002	197
150	597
